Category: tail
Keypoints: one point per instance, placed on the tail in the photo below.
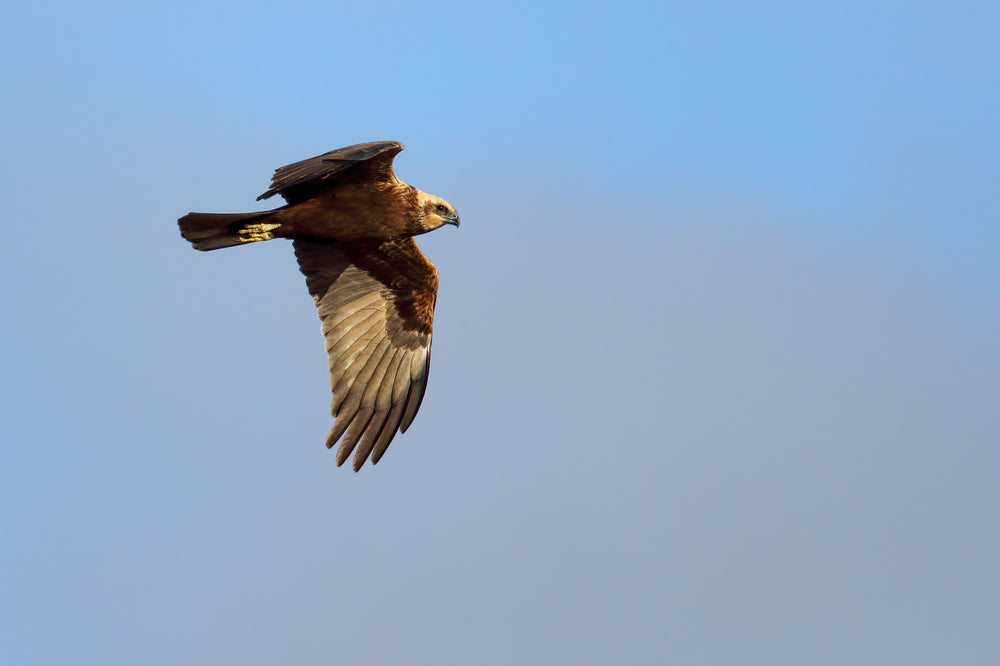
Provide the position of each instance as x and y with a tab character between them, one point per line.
211	231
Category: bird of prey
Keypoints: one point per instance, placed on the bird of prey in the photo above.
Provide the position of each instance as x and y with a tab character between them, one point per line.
352	224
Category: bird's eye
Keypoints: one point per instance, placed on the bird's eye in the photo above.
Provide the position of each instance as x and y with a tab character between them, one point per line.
440	208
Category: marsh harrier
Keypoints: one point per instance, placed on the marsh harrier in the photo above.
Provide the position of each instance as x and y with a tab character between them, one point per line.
352	224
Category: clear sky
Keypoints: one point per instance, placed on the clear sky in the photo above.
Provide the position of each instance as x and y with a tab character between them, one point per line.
717	349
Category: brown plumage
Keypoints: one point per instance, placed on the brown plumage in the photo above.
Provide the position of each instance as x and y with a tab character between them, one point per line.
351	222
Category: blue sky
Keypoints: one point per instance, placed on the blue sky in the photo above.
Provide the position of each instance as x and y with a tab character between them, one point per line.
716	365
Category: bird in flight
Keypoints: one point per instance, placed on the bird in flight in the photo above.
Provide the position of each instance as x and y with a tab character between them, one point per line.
352	224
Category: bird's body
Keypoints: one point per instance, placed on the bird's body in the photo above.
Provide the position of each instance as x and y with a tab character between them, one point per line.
382	211
352	222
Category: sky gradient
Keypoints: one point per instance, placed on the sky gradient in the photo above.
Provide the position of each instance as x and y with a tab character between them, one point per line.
716	355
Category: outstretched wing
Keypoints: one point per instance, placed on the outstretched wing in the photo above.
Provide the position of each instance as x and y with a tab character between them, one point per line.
376	303
366	162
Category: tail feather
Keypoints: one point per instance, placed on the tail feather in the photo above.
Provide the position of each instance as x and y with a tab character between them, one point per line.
212	231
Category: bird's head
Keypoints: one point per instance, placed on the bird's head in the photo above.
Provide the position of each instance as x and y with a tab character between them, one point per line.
435	212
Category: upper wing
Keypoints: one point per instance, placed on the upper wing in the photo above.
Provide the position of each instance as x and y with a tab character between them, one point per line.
376	302
364	161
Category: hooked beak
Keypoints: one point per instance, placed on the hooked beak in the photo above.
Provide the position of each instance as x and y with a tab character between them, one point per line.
453	220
